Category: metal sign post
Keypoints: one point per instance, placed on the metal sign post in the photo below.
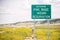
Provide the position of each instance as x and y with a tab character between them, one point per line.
48	22
33	30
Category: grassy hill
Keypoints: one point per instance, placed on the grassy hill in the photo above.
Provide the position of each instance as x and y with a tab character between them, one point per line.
23	30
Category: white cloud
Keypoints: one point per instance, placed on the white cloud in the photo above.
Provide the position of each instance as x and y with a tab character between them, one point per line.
20	10
56	11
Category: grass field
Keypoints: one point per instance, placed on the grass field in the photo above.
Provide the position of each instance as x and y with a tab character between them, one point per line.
23	32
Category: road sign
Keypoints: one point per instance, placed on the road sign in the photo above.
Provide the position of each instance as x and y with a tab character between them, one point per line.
41	12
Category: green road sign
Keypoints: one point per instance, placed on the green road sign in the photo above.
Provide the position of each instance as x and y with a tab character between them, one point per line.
41	12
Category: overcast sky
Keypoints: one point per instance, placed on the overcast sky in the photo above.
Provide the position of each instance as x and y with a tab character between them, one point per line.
20	10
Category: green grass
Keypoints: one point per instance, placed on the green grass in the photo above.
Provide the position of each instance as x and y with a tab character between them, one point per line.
22	33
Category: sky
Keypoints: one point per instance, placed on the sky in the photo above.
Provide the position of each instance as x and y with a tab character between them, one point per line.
20	10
